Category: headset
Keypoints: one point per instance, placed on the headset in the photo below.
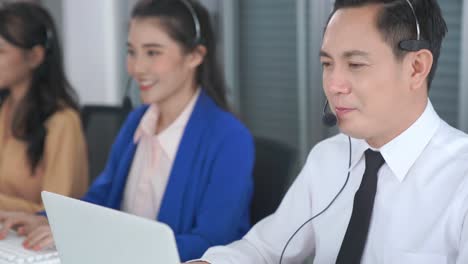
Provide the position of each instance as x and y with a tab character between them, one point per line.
127	105
48	40
418	43
329	119
196	22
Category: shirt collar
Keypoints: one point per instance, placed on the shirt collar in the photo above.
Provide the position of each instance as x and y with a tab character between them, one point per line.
358	147
147	125
170	137
401	152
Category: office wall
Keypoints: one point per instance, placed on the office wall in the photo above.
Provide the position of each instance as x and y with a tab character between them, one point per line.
93	32
445	89
463	106
268	68
93	36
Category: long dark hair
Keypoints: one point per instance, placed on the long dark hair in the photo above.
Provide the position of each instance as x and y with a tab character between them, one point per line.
26	25
177	19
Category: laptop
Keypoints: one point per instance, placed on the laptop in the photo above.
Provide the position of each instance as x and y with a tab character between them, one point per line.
88	233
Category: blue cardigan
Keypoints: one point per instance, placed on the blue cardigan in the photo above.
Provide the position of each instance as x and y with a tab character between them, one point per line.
208	194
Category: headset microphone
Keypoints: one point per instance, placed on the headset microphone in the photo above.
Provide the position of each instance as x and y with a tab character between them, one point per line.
328	118
127	102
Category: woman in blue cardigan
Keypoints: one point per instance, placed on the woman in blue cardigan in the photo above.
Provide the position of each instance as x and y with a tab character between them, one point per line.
182	158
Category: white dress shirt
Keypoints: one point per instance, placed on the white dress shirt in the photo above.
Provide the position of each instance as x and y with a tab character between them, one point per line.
420	208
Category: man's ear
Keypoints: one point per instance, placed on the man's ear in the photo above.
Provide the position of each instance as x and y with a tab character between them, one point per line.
421	65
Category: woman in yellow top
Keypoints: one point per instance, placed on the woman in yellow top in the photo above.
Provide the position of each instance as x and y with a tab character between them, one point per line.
42	146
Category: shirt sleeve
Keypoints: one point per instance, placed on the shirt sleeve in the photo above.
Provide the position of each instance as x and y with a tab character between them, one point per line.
66	160
266	240
463	250
11	203
463	210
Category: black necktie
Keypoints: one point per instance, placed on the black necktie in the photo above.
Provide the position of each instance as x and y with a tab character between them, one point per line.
356	234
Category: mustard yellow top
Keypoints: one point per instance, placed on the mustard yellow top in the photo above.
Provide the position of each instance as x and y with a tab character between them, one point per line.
63	168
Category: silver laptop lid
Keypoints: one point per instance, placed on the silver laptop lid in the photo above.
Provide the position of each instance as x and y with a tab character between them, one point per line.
88	233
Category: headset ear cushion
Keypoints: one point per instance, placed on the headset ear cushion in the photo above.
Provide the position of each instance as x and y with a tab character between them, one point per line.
414	45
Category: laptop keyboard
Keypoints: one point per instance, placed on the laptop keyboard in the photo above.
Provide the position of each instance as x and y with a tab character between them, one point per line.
13	252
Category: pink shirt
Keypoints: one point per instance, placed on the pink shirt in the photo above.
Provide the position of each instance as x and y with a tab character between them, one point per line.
153	161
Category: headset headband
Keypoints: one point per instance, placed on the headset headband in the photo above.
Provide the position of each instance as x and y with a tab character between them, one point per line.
418	43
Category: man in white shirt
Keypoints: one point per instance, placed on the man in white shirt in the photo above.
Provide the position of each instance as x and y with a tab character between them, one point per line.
379	58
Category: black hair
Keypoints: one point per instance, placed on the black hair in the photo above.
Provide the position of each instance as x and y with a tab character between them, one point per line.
180	24
26	25
396	22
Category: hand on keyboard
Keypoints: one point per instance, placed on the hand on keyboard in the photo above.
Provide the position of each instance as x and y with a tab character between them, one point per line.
35	227
40	238
24	222
12	252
